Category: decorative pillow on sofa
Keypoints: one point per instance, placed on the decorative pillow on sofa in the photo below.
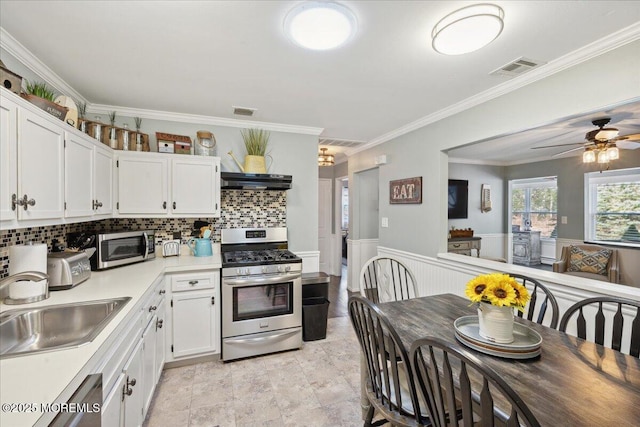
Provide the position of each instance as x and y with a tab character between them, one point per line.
589	261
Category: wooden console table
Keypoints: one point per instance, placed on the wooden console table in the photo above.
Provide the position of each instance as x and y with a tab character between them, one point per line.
464	245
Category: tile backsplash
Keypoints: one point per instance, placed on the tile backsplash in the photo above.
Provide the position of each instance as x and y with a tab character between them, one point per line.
240	209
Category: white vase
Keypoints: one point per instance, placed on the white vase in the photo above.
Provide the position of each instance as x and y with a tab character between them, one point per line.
496	323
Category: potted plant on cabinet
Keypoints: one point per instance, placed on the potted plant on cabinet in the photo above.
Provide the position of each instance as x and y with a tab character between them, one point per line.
40	95
255	142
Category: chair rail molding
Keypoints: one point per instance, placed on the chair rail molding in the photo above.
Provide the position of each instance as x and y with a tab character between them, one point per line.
358	253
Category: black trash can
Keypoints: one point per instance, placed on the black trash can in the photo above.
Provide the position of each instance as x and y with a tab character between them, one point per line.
314	318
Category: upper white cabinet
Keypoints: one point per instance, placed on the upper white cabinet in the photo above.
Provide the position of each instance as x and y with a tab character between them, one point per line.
8	165
79	179
40	167
103	181
166	184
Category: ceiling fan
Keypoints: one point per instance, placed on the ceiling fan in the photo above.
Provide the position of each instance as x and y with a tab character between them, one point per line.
602	143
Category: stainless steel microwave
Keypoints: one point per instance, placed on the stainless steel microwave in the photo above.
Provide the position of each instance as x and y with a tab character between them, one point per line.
114	249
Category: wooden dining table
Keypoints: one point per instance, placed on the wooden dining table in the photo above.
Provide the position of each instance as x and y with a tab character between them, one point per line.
572	383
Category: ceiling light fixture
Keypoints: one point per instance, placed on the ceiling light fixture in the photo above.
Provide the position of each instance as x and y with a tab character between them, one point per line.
320	25
325	159
602	152
468	29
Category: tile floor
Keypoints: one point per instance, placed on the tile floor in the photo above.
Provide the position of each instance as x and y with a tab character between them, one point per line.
318	385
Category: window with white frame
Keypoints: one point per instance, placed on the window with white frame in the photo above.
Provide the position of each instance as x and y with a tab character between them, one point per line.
534	205
612	206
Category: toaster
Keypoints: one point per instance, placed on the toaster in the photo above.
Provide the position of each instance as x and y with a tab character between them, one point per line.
67	269
171	248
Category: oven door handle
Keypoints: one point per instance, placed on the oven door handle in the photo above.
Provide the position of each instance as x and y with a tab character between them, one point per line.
264	338
262	281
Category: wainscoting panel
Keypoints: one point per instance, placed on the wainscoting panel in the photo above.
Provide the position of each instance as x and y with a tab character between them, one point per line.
358	253
310	261
493	245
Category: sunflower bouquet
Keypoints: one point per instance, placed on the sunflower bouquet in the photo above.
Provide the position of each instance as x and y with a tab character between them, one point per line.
497	289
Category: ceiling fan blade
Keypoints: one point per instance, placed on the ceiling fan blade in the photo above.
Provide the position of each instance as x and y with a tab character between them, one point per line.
567	151
559	145
631	137
628	145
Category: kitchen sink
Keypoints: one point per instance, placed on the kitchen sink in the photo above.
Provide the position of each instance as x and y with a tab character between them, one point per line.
55	327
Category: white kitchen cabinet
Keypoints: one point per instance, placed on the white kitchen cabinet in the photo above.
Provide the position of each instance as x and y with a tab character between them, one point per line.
88	178
160	340
195	186
40	167
79	179
195	314
111	414
168	185
149	341
142	183
133	392
8	156
103	180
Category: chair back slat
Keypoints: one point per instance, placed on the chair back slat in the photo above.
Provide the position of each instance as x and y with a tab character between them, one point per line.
542	299
618	325
634	348
385	279
599	336
390	381
602	328
436	362
486	404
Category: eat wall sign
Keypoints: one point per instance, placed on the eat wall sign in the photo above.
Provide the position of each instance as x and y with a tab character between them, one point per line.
405	191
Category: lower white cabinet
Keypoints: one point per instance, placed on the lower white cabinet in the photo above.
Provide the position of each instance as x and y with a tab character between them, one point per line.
195	314
111	412
149	340
160	340
133	388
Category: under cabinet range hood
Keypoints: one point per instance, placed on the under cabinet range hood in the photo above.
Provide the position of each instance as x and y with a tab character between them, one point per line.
254	181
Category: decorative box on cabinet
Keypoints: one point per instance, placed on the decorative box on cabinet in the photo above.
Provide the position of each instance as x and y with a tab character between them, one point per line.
464	245
526	247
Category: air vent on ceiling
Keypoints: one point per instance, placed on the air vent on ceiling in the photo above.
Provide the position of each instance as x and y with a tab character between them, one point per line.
339	142
517	67
244	111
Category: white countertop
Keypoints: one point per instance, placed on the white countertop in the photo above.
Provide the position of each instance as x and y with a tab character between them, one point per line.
41	378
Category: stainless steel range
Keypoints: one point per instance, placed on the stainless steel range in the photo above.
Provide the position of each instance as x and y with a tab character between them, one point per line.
261	293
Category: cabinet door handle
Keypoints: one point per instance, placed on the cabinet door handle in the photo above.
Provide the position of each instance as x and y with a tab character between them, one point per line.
164	205
98	204
129	391
131	382
213	300
193	282
159	323
152	308
14	201
162	292
174	205
25	202
456	245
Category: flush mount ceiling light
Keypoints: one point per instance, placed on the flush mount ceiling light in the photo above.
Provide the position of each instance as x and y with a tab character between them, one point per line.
320	25
325	159
468	29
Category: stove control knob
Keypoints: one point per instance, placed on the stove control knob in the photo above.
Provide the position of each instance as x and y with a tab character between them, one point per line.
287	268
280	269
246	271
265	269
238	271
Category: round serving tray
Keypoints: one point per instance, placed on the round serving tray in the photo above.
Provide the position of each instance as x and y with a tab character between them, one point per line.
526	344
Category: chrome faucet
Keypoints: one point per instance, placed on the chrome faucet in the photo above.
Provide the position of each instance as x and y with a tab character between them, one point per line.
34	276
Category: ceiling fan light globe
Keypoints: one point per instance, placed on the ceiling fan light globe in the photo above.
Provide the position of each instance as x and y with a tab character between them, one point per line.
613	152
588	156
603	157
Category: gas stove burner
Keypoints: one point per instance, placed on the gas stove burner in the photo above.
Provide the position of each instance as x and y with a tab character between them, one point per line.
263	256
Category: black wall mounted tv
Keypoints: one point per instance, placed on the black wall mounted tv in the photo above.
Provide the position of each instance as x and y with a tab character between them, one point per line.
458	198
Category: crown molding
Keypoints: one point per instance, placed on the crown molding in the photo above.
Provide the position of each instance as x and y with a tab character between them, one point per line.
29	60
200	119
613	41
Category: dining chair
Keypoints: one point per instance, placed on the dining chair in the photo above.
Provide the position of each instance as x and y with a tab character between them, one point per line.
384	279
451	378
596	320
389	383
541	300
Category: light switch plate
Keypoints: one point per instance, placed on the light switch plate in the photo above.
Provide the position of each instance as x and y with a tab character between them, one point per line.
563	219
385	222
